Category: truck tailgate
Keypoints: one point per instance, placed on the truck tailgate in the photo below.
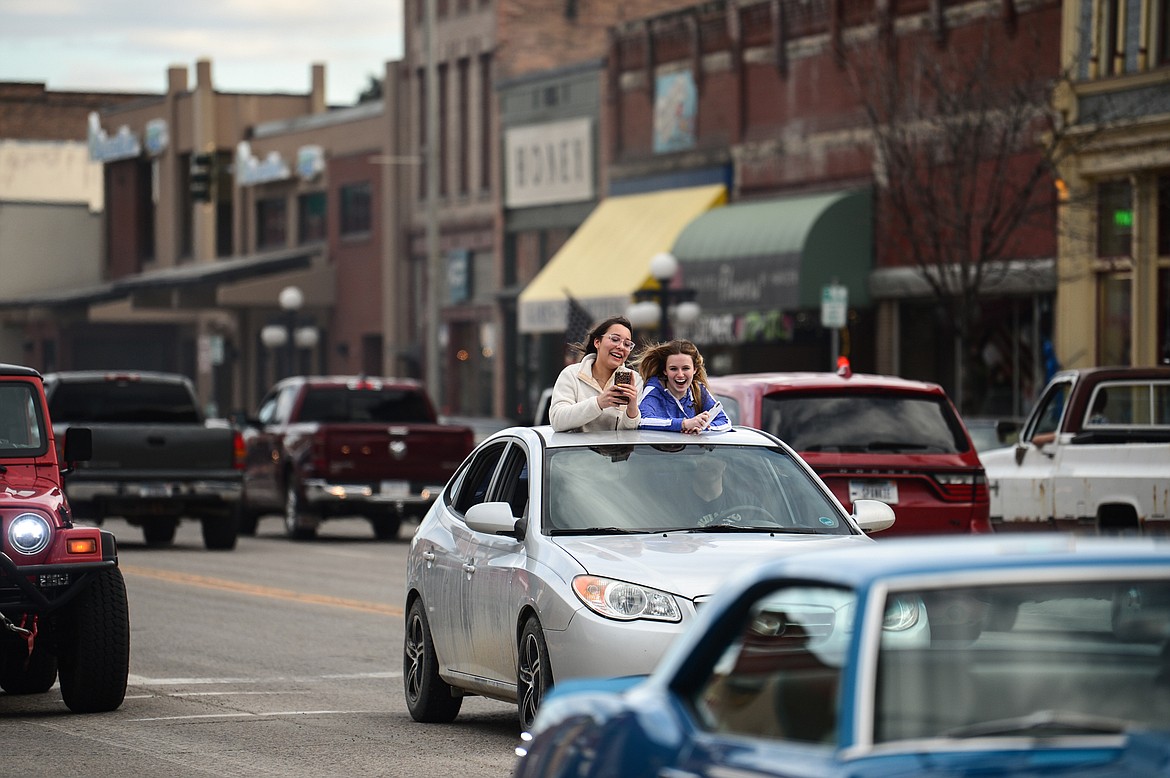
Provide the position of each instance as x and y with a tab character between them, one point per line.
151	447
374	452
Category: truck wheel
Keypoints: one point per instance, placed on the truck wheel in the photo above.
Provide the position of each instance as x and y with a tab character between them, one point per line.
386	527
292	515
21	673
248	522
428	697
94	649
159	532
220	532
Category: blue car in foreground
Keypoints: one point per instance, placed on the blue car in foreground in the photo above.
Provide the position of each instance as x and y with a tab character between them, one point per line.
991	655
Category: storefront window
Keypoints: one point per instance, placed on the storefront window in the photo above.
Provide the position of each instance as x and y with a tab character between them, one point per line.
271	223
1113	328
1114	219
311	217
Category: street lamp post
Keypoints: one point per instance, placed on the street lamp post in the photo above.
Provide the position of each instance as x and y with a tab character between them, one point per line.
290	333
654	305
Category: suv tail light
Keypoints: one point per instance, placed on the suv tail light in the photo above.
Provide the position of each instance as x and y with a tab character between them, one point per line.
962	487
239	451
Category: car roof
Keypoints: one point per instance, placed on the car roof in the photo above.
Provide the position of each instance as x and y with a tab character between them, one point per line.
950	555
548	437
347	380
116	375
775	381
20	370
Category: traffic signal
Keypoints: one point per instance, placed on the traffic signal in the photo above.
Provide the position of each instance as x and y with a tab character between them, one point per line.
201	178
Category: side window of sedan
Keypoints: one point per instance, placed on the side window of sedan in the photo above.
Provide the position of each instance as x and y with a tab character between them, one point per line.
778	676
476	479
512	484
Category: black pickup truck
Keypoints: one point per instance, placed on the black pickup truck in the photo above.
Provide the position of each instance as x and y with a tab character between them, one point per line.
156	459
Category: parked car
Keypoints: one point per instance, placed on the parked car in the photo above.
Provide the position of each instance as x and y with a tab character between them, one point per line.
552	555
321	447
1093	456
63	608
871	437
156	458
912	657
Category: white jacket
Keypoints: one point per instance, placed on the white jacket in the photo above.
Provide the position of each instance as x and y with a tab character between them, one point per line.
574	401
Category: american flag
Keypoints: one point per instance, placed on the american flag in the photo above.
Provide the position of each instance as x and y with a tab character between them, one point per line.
578	320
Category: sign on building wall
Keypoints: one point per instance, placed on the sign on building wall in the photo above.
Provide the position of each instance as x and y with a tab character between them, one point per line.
549	163
675	105
105	148
250	170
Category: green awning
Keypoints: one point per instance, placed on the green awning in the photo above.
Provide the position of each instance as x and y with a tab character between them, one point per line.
779	254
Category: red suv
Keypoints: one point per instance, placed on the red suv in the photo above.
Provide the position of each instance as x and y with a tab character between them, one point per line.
872	437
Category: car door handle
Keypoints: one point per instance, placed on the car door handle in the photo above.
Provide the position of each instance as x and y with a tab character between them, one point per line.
468	568
428	556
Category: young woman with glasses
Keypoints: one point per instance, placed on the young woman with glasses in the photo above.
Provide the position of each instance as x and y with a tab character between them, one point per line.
586	397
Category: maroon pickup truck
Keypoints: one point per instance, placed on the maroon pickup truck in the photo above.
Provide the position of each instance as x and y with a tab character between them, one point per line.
329	446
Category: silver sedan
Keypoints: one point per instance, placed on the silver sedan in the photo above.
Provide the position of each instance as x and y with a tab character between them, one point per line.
551	555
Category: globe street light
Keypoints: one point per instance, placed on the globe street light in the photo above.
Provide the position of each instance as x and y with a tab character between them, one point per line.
654	305
290	334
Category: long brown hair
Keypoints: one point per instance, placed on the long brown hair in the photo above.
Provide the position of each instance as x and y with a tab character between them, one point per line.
652	362
587	347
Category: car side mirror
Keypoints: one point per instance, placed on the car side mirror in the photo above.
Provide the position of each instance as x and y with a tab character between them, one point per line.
78	447
873	515
493	518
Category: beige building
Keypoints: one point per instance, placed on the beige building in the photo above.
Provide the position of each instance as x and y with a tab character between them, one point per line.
1113	300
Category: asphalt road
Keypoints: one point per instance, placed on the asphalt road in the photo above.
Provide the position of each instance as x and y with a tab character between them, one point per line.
279	658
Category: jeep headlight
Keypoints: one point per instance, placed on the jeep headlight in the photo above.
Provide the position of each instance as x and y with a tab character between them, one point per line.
625	601
29	533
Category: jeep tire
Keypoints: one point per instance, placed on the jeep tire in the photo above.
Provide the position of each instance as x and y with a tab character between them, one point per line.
94	645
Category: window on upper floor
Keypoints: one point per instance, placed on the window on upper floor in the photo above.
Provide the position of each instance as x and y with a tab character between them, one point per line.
1114	218
1160	18
356	207
463	117
271	223
1163	210
1110	38
311	212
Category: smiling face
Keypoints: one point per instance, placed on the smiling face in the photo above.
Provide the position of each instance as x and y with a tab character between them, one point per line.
613	348
680	372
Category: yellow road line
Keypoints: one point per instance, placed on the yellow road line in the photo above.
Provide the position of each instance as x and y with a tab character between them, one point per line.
223	584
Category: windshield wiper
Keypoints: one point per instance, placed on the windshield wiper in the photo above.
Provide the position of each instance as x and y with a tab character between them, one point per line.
1042	723
598	531
740	528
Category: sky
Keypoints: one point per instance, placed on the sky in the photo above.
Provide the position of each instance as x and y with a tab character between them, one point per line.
254	45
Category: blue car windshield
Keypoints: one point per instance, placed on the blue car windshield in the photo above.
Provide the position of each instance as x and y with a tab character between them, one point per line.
685	488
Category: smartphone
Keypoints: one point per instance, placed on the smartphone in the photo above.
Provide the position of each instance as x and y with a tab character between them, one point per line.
621	376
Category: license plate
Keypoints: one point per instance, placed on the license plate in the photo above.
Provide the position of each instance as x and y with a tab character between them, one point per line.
396	488
886	491
154	490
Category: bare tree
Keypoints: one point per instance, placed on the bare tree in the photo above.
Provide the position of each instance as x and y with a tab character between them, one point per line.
966	147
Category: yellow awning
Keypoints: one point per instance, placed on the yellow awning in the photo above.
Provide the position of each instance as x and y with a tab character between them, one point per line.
608	257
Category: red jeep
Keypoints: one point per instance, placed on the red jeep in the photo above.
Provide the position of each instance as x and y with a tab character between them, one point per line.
63	609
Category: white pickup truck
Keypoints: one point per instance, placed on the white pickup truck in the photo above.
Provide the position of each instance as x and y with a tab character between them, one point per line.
1093	456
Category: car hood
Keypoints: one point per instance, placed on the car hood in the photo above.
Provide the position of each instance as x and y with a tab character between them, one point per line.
689	564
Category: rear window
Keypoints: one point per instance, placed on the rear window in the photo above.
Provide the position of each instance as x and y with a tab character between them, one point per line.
341	404
123	401
855	422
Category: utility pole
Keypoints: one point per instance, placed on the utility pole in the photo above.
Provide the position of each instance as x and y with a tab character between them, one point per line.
433	269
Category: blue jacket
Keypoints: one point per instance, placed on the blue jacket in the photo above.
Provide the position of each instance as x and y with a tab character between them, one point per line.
661	411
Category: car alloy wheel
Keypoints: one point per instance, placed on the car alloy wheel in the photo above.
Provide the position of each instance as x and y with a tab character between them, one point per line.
428	697
533	672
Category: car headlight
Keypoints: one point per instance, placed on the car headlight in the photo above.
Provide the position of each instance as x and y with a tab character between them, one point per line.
901	613
625	601
29	533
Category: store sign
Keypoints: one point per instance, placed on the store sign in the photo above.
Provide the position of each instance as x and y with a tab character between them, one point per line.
158	137
251	171
310	162
103	148
549	163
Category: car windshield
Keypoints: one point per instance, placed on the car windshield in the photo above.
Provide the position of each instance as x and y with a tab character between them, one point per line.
684	488
858	422
1029	660
22	429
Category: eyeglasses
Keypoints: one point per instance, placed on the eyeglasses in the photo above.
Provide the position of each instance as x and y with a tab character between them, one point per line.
618	340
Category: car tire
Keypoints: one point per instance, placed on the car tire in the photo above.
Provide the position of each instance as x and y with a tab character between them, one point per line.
533	672
429	698
248	522
293	510
21	673
94	650
159	532
220	533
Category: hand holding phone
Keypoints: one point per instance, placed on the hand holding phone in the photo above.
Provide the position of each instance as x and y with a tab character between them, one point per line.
623	377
